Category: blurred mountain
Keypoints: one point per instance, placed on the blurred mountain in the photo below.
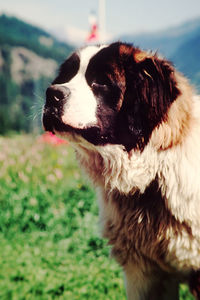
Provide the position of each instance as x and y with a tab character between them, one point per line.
165	41
29	58
187	59
180	44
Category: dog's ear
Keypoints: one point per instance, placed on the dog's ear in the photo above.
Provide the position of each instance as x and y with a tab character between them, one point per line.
150	90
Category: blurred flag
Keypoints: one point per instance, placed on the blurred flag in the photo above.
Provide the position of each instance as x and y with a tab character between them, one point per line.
93	35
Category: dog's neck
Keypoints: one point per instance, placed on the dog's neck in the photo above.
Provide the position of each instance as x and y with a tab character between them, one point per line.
112	167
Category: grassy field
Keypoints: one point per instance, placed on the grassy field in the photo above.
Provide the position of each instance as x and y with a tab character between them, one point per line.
50	243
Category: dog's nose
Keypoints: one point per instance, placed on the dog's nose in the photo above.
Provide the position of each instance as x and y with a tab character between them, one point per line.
56	94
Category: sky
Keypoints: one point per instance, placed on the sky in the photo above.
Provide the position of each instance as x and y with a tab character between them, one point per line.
70	17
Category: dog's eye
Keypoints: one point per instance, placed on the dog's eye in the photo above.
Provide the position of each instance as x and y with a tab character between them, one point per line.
96	87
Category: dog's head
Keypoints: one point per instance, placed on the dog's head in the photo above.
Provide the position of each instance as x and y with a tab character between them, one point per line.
114	94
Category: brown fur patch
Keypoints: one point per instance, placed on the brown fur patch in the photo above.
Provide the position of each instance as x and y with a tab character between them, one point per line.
137	54
119	76
177	123
138	232
125	50
140	56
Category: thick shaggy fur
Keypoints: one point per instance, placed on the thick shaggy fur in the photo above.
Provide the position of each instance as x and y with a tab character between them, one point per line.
137	135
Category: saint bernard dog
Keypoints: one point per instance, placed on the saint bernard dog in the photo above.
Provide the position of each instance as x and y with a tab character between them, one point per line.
135	124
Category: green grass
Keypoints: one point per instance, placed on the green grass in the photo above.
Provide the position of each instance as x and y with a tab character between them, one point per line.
50	243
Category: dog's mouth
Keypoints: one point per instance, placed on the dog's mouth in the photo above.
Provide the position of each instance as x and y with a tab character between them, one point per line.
91	133
52	123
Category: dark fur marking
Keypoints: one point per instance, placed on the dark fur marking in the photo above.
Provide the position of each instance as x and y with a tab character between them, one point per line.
104	76
68	69
150	90
142	223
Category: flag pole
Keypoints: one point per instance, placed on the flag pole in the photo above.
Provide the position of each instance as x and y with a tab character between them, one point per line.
102	21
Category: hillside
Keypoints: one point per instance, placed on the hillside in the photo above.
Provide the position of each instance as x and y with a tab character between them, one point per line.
14	32
29	58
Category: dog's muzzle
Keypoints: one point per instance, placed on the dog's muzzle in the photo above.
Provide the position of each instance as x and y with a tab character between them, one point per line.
56	97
